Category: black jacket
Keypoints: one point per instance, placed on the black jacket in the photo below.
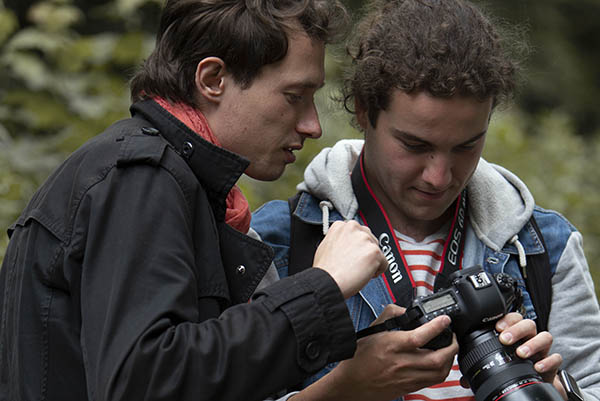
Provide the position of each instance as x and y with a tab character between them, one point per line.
121	281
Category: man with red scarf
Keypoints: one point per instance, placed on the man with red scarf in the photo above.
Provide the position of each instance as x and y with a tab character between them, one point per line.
132	274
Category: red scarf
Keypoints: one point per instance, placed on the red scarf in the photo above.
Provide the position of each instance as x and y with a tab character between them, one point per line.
238	213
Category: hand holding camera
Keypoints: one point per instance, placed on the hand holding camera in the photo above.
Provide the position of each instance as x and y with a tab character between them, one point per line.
388	365
476	300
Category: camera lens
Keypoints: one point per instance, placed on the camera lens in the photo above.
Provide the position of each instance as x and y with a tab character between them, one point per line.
496	373
537	392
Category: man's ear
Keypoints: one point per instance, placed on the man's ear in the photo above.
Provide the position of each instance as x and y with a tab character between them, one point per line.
209	78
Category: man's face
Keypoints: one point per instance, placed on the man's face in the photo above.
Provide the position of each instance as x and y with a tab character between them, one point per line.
422	154
269	120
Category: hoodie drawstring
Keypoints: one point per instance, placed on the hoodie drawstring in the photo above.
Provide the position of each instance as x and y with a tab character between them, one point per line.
522	259
325	206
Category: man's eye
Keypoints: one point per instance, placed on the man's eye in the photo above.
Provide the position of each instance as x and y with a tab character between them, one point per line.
467	146
415	147
293	98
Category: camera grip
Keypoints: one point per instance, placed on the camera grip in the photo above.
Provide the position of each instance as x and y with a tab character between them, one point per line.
408	321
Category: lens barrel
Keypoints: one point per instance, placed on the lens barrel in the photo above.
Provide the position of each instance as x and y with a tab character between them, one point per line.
535	392
496	373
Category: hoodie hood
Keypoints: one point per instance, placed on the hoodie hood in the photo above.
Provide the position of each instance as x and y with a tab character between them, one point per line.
499	202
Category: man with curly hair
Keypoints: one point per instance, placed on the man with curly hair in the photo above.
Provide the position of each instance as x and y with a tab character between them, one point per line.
426	77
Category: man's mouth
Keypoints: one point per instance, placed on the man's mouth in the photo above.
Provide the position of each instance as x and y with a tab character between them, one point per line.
291	157
432	195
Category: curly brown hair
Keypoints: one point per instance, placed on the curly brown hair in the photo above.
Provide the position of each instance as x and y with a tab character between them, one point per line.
245	34
444	47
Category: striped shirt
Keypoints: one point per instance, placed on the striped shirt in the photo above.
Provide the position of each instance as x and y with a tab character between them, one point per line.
424	259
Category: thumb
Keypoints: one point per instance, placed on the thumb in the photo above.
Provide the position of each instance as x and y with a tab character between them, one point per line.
390	311
432	329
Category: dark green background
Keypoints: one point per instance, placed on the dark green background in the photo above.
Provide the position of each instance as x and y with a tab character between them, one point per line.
65	65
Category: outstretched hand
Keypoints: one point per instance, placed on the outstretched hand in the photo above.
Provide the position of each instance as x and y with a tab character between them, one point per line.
387	365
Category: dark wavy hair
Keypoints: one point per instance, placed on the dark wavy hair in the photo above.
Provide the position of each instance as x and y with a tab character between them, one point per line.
444	47
245	34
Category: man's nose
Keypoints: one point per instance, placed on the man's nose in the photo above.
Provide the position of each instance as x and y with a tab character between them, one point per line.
309	124
438	171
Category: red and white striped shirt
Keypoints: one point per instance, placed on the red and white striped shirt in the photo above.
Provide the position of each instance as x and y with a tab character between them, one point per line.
424	259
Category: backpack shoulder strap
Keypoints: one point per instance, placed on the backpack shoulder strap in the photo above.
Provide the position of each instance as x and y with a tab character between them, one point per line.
538	281
304	240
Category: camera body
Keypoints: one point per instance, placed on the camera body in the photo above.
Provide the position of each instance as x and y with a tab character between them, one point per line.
473	300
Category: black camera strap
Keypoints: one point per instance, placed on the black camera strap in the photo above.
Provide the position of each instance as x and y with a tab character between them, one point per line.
397	277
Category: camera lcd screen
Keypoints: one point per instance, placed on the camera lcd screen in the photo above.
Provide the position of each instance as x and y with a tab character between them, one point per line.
436	303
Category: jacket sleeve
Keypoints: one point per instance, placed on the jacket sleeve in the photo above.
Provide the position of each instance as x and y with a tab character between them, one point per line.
141	334
574	319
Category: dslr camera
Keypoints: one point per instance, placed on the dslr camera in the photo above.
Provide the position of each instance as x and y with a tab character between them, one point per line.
475	300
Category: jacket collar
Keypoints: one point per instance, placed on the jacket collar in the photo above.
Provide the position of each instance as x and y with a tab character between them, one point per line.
309	211
530	241
216	168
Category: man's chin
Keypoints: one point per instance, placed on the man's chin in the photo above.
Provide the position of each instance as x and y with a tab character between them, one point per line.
266	174
434	215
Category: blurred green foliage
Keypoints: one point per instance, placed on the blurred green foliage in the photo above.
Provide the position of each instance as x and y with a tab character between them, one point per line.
559	167
65	66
